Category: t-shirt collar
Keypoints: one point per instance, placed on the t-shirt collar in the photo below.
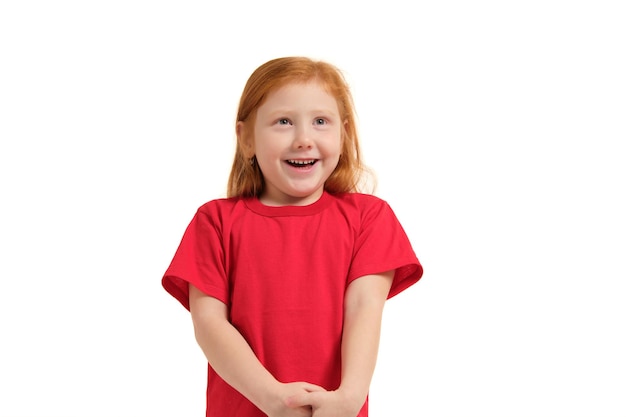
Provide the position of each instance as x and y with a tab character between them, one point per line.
256	206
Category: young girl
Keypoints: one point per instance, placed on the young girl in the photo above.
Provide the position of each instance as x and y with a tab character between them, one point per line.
287	277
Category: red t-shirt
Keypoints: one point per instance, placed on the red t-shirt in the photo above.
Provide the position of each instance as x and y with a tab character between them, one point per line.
283	272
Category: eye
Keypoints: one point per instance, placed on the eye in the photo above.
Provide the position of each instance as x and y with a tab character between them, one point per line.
320	121
283	122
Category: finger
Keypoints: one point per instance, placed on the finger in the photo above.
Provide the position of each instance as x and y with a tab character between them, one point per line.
313	388
301	400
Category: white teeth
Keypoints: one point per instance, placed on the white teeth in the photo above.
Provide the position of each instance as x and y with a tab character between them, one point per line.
301	162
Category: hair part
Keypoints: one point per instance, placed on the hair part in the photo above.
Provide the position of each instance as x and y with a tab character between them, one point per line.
246	178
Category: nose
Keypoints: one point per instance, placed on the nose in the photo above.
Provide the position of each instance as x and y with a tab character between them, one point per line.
302	139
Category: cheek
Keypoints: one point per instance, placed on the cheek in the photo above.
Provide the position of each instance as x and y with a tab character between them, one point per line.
334	142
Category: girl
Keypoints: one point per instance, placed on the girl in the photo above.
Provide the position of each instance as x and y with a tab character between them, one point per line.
287	277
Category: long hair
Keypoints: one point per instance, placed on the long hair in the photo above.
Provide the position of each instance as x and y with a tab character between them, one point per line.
246	178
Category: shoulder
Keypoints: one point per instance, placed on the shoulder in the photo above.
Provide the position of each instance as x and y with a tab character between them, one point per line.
360	202
219	204
358	199
220	209
372	208
361	210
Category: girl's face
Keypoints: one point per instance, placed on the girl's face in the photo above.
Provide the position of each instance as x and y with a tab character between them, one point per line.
297	143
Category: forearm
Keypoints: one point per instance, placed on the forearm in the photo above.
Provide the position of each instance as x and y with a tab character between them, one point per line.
359	352
228	352
234	361
361	335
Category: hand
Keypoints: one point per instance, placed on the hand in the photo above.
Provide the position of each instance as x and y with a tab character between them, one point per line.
279	406
327	403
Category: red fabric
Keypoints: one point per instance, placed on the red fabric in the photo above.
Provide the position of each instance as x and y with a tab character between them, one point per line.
283	272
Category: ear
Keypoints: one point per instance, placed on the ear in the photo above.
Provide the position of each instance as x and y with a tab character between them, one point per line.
344	132
245	139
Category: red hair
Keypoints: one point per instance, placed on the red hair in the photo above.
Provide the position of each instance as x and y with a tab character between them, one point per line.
246	178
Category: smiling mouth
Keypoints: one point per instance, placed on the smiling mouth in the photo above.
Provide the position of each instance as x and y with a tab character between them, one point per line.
301	163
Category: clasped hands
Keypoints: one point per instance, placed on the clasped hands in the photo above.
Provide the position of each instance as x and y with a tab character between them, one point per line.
302	399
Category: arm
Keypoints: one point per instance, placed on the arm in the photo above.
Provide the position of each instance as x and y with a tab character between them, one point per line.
232	358
365	299
363	308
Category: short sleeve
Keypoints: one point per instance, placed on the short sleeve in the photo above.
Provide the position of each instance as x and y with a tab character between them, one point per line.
199	260
383	245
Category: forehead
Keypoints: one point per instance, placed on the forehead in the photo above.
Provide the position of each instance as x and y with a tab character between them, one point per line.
311	93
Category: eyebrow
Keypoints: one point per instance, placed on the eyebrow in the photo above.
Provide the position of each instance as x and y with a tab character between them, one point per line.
324	111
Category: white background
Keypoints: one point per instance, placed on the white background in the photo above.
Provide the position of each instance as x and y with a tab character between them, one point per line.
496	129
